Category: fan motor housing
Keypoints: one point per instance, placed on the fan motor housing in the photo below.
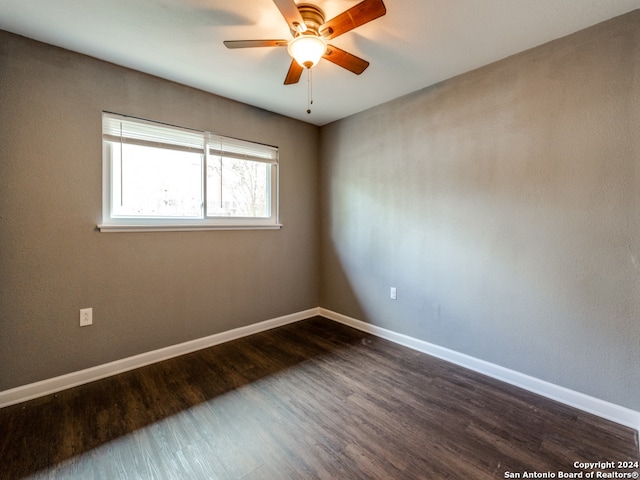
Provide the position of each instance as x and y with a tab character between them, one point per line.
313	17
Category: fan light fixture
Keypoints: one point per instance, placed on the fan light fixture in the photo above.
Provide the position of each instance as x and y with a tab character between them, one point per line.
307	50
311	33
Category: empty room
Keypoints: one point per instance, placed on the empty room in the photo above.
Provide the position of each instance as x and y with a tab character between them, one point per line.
337	239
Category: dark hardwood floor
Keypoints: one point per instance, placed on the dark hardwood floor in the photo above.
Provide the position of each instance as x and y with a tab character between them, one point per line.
309	400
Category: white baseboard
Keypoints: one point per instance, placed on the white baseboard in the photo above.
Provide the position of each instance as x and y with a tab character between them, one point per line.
56	384
601	408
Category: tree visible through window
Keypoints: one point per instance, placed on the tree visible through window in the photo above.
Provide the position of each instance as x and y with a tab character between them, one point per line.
237	188
161	176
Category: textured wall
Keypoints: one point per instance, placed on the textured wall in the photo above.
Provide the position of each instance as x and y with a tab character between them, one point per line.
147	290
504	204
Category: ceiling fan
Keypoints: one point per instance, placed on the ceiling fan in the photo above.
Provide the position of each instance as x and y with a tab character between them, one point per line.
310	34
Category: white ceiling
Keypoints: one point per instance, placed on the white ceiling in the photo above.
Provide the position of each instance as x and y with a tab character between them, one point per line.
416	44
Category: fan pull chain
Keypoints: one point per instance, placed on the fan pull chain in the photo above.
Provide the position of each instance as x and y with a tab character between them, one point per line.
309	91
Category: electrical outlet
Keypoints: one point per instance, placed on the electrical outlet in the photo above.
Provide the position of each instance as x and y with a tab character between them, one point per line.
86	317
393	293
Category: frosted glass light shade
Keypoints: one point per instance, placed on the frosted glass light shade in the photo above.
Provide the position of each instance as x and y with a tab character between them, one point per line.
307	50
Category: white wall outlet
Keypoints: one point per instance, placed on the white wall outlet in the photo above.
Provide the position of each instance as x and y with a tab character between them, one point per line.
86	317
393	293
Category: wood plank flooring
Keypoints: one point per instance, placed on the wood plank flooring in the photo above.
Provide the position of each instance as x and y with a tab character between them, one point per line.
311	400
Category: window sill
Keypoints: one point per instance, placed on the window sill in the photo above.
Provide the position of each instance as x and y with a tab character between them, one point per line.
182	228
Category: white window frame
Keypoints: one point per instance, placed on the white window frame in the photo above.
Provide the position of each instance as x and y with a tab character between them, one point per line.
210	144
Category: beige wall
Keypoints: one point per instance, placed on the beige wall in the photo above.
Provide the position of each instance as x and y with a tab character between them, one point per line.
504	204
147	290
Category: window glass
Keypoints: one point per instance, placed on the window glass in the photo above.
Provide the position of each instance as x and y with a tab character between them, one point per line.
156	182
237	188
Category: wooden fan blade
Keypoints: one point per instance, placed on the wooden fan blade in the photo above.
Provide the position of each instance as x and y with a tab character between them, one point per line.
357	15
345	60
255	43
294	73
291	14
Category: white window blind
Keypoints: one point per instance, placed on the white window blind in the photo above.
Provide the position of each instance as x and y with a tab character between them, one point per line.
242	150
125	130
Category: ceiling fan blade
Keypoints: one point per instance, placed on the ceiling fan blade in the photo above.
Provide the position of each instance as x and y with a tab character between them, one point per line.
345	60
357	15
291	14
255	43
294	73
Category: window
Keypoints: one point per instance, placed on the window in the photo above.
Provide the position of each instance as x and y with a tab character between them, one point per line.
162	177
